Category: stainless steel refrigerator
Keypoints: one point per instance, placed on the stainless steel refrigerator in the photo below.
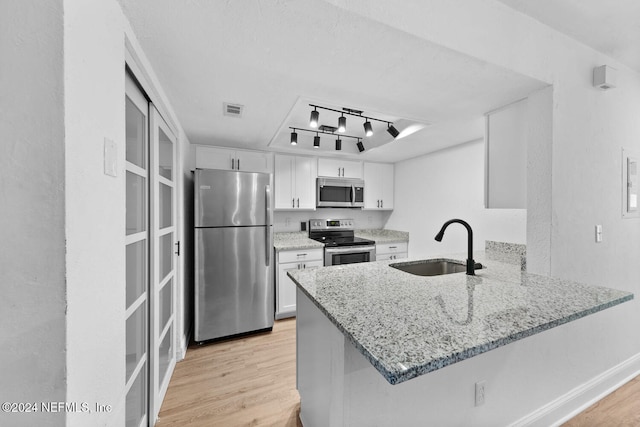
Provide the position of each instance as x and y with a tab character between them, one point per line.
234	290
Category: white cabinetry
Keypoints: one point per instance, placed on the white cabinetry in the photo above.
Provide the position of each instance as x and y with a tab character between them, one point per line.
230	159
506	157
386	251
285	288
339	168
378	186
295	182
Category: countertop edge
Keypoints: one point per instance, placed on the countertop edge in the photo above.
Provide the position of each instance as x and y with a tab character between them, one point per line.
394	378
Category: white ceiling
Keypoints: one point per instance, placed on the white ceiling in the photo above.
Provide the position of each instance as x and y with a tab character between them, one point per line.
271	56
611	27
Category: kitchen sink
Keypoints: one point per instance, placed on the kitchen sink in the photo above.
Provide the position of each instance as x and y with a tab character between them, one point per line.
432	267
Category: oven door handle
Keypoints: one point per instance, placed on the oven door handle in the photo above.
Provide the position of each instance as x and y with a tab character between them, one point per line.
349	249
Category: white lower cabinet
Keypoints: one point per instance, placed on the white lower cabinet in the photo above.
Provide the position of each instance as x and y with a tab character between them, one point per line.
385	251
285	288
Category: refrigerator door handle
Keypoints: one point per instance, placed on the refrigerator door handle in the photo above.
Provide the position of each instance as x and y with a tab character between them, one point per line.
267	228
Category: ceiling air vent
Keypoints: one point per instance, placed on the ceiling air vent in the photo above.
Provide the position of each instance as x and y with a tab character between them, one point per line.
233	110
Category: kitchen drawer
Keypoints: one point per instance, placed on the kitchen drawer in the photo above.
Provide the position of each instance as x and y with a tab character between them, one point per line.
301	255
385	257
392	248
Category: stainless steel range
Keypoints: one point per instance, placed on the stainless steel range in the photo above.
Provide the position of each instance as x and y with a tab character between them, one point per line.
340	244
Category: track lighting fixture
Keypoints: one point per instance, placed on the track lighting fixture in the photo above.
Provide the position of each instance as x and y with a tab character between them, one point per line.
342	124
313	122
392	130
294	138
338	144
316	141
368	130
360	146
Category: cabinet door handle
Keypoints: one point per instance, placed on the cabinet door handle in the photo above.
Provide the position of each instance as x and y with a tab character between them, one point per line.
378	202
238	162
233	164
382	203
338	171
293	203
342	171
393	247
304	265
298	203
177	252
301	254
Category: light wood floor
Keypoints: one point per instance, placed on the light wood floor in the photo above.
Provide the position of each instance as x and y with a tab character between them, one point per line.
620	409
251	381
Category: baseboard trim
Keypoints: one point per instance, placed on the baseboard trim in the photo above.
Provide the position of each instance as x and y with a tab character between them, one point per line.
580	398
184	343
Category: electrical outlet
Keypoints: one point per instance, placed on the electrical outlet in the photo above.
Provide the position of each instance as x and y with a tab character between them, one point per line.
598	233
287	222
480	393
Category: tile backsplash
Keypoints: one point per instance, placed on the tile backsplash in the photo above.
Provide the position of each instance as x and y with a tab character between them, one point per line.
290	220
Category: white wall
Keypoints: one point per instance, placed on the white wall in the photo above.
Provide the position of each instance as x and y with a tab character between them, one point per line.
94	107
290	220
589	129
431	189
32	270
95	208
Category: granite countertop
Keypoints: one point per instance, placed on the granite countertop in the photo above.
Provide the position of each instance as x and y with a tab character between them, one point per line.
293	241
383	236
285	241
408	325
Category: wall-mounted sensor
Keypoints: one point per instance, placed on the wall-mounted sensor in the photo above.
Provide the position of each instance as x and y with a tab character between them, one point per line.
605	77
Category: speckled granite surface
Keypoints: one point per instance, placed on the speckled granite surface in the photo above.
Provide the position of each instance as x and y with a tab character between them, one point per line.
293	241
408	325
299	240
383	236
512	253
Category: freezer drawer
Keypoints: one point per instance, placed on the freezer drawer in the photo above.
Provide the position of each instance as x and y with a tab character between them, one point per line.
234	290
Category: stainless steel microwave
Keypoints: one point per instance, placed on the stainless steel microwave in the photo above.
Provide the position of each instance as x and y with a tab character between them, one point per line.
340	193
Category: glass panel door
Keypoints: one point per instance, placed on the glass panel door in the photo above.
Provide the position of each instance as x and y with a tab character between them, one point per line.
137	255
163	250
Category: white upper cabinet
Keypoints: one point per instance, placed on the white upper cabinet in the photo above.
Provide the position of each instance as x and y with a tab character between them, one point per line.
378	186
339	168
295	182
230	159
506	157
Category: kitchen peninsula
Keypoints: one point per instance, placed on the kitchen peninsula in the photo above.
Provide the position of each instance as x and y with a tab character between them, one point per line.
379	346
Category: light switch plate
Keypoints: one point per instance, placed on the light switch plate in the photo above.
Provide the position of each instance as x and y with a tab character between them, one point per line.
630	184
598	233
110	157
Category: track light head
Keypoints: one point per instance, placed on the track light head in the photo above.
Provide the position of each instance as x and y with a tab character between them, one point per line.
315	116
368	130
294	138
392	130
338	144
342	124
316	141
360	146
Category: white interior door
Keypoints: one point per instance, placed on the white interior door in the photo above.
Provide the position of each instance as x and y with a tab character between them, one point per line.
164	249
137	255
